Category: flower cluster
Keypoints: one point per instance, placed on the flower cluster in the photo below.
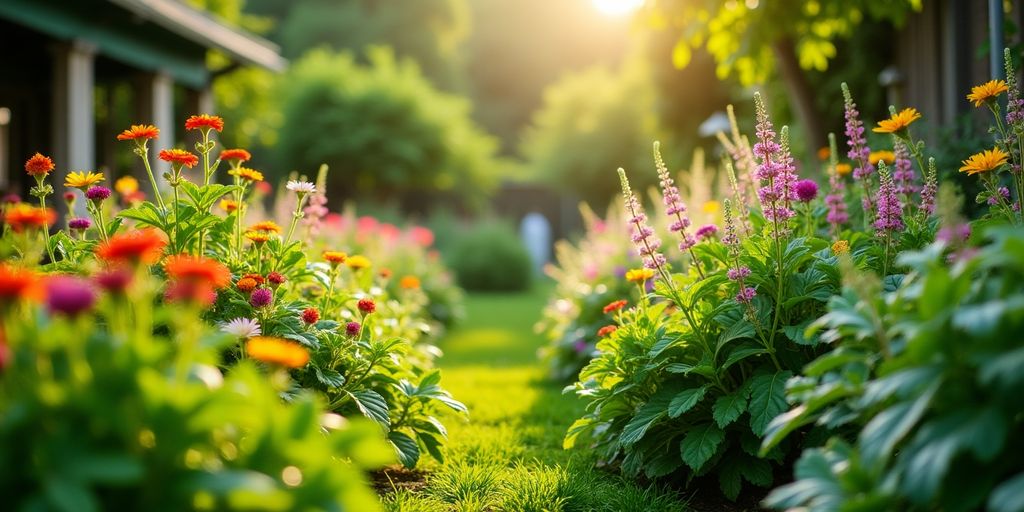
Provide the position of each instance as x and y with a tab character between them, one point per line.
774	169
647	243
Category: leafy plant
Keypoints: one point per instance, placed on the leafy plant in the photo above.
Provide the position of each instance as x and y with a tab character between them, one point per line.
923	390
489	256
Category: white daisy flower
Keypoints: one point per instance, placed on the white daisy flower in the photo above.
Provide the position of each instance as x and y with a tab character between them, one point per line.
302	187
242	327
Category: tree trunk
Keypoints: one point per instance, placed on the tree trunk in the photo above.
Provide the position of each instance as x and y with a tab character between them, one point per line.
801	96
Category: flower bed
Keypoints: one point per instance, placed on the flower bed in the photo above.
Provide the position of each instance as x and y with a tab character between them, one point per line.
869	333
145	349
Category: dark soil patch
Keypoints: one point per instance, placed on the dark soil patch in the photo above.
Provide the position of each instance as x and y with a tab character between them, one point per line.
389	480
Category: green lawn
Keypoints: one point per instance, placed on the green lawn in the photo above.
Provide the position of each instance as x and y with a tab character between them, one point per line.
508	455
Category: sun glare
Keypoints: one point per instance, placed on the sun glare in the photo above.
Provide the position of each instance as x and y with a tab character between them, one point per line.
617	7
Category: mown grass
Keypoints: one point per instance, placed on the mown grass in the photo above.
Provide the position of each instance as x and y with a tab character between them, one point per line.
508	455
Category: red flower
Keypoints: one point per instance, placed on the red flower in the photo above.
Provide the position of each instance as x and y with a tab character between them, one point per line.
17	284
22	216
367	306
607	330
204	122
39	165
615	306
180	157
142	246
311	316
255	277
197	269
276	279
235	155
140	131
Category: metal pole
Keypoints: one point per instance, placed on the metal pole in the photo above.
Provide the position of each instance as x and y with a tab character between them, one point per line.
995	39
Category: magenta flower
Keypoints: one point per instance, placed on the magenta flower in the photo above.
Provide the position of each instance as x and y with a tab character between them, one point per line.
97	193
675	209
647	243
79	224
69	295
115	280
352	328
859	151
903	174
261	297
11	199
738	273
836	202
806	190
707	231
746	295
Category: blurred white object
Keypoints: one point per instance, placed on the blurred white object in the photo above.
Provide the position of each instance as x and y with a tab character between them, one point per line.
718	122
535	231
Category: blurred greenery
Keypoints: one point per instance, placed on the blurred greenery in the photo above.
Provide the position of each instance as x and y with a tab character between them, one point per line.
383	129
489	256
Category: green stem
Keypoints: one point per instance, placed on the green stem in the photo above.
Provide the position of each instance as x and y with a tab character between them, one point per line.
102	225
174	228
144	155
46	229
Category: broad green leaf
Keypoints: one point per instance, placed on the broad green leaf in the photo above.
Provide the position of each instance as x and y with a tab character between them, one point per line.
767	399
1009	496
757	471
700	444
406	447
879	437
578	427
433	446
373	406
685	401
729	407
742	352
730	477
648	414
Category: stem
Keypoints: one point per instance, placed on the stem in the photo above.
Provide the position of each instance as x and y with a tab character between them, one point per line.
174	228
99	220
46	229
330	291
238	219
885	261
144	155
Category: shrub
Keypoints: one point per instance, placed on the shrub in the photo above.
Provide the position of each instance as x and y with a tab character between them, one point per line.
923	388
489	256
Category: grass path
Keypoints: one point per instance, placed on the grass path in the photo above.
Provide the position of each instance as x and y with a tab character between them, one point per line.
508	455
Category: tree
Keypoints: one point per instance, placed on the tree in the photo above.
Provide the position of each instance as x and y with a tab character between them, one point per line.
383	129
591	123
755	39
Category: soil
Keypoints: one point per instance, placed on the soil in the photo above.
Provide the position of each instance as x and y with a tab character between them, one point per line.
389	480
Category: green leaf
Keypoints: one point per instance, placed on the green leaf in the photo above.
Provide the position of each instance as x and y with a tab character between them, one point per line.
329	377
729	477
1009	496
373	406
757	471
648	414
767	399
879	437
740	353
406	448
700	444
578	427
146	213
736	330
433	446
685	401
729	407
69	496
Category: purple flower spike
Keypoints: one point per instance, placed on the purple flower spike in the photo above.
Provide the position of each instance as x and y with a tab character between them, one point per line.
890	210
746	295
774	170
79	224
261	298
836	202
646	241
707	231
68	295
806	190
903	173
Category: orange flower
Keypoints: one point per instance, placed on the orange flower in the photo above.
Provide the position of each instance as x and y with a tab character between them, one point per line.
140	131
126	185
18	284
246	284
898	122
39	165
409	282
197	269
986	161
255	277
228	205
614	306
268	226
247	174
385	273
141	246
843	169
180	157
235	155
258	237
606	330
204	122
988	91
335	257
24	216
277	351
824	153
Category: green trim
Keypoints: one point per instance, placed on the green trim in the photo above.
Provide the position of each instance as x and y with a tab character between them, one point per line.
115	35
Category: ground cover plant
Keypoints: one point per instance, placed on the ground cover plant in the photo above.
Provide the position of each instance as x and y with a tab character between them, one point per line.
349	332
690	381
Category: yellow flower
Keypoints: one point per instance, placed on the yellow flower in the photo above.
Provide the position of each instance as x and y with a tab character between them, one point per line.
228	205
898	122
268	226
357	262
840	247
843	169
82	179
986	161
258	237
126	185
881	156
335	257
712	207
277	351
247	174
639	275
988	91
